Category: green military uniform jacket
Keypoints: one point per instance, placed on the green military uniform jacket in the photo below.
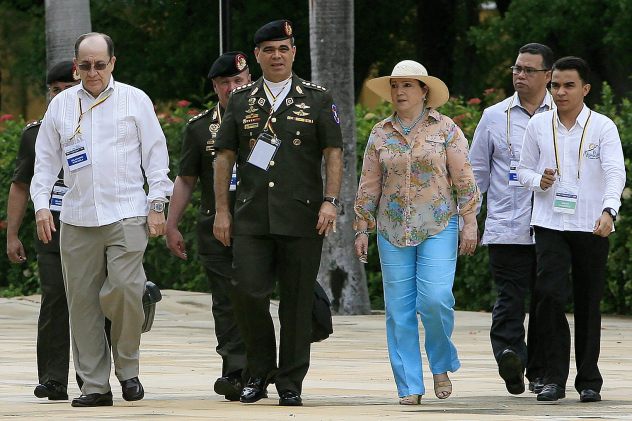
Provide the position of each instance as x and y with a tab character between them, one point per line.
24	168
196	159
285	199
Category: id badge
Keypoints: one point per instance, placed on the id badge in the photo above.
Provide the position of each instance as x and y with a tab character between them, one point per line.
233	179
565	198
513	173
264	150
56	197
77	155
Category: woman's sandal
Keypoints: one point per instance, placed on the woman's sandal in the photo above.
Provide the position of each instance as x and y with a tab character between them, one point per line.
410	400
442	386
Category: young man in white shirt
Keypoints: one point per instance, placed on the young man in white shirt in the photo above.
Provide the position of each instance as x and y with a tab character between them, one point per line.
573	160
494	154
106	135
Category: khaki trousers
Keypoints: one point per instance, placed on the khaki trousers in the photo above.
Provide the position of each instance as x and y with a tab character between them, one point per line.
104	277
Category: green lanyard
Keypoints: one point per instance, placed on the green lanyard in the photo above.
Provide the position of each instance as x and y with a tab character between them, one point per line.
581	144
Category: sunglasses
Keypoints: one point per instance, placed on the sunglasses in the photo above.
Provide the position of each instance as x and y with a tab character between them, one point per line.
99	65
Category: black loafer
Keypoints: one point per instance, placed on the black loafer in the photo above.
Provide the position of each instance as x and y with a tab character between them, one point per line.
589	395
254	390
93	399
511	370
132	389
551	393
229	387
536	385
290	398
52	390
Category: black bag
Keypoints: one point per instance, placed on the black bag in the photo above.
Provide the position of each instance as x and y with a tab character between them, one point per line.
151	296
322	325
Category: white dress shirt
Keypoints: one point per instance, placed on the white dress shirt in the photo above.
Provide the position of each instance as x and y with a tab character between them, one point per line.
508	207
123	138
601	168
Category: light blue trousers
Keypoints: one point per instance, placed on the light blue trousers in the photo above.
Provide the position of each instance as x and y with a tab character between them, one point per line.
419	279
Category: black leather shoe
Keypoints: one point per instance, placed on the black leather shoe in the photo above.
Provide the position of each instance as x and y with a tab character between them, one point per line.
511	369
589	395
229	387
551	393
290	398
52	390
254	390
537	385
93	399
132	389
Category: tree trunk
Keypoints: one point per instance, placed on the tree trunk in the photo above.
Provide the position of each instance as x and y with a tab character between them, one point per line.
331	51
65	21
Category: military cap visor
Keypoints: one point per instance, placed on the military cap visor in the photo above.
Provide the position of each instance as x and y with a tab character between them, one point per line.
277	30
61	72
228	64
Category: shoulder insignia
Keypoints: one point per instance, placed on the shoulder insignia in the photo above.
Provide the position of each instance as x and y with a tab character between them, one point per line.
241	88
197	117
313	86
32	124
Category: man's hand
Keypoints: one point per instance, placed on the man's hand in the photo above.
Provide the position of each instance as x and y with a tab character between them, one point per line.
175	243
156	223
603	225
548	178
45	225
326	219
222	227
15	250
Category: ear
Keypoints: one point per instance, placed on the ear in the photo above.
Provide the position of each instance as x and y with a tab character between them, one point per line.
214	86
113	61
257	51
586	88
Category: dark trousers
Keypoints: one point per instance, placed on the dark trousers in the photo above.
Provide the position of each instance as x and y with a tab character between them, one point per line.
230	345
53	331
513	268
259	261
585	255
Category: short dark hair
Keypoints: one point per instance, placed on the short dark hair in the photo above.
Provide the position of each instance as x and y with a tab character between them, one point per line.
539	50
108	42
574	63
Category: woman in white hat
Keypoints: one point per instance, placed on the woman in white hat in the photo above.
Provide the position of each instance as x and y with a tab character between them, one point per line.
416	179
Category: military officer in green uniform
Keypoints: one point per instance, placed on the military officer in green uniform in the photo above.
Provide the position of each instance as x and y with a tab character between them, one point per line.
277	129
53	340
229	71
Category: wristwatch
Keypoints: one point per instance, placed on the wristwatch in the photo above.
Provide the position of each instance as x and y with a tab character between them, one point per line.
611	212
332	200
158	207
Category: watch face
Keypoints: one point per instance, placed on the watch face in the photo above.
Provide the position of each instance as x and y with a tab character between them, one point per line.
158	207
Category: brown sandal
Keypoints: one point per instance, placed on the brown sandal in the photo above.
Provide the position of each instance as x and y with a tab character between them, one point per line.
410	400
442	386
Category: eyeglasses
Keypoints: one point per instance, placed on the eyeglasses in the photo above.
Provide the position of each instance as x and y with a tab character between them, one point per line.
99	65
528	71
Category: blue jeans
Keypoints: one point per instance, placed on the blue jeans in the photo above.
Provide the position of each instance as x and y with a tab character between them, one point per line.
419	279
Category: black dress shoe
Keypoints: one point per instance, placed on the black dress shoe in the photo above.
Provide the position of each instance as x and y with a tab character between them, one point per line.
132	389
290	398
511	370
93	399
589	395
52	390
254	390
229	387
536	385
551	393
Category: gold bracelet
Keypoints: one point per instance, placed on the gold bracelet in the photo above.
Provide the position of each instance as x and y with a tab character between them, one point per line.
365	232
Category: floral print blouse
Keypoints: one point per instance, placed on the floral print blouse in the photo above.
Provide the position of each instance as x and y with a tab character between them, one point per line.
411	185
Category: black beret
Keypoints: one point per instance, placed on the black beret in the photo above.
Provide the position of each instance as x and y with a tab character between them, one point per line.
274	31
61	72
228	64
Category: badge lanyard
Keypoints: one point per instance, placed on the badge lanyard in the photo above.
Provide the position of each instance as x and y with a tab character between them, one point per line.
81	113
581	144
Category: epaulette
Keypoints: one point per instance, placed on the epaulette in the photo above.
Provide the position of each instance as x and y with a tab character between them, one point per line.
241	88
198	116
32	124
313	85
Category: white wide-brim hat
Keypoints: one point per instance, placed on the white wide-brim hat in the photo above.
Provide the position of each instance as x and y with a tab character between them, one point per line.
438	93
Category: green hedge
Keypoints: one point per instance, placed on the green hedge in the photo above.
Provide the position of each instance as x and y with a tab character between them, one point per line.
473	286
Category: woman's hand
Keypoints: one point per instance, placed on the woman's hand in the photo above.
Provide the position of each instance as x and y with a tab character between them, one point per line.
468	237
362	246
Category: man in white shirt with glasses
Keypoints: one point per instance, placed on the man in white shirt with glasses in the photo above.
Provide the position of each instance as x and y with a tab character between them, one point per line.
107	138
573	161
